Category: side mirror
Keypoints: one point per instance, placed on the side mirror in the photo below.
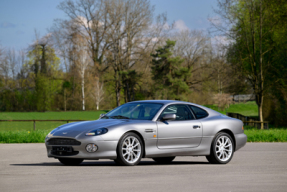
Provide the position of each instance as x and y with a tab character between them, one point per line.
167	117
101	115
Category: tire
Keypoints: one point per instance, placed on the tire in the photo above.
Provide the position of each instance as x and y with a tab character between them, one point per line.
222	149
70	161
130	150
163	160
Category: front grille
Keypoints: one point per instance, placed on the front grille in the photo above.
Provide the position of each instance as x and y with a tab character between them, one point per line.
63	151
63	141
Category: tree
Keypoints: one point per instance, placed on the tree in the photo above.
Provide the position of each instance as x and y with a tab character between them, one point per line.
44	63
250	24
131	40
12	61
98	93
196	50
90	18
82	63
168	73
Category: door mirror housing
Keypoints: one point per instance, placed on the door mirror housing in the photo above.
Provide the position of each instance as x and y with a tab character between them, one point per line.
169	117
101	115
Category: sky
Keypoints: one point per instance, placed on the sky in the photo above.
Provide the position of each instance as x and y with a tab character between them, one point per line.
20	18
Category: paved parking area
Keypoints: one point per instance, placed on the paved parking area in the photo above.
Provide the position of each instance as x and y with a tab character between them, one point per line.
256	167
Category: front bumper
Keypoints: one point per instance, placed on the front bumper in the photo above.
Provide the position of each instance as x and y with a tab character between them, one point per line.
106	149
241	140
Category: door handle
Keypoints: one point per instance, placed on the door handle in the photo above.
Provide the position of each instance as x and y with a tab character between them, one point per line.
196	126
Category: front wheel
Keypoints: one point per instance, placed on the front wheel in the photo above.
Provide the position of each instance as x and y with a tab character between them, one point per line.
222	149
70	161
163	160
130	150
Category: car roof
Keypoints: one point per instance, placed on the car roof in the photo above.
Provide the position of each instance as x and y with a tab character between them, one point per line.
158	101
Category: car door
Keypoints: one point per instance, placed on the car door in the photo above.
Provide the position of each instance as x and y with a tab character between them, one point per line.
184	131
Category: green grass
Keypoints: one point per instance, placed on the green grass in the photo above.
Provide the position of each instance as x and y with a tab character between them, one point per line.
44	125
23	136
248	109
271	135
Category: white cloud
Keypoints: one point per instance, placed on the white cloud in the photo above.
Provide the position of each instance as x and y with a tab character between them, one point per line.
180	25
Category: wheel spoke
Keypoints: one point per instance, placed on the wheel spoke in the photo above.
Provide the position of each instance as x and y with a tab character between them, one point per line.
226	155
133	141
136	145
136	150
125	154
220	155
227	140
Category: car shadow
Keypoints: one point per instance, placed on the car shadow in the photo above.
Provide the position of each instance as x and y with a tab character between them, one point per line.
111	163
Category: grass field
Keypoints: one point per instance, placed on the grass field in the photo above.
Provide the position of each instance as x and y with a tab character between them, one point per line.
22	132
247	109
46	125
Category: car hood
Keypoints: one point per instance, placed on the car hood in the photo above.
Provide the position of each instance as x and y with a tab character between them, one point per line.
74	129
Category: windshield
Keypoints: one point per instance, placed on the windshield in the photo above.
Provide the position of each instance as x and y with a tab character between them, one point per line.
140	111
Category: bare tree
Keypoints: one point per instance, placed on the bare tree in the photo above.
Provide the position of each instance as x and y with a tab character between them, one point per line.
23	72
12	61
98	93
82	61
134	37
91	20
4	67
195	48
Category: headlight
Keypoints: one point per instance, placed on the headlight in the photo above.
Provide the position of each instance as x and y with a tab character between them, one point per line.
99	131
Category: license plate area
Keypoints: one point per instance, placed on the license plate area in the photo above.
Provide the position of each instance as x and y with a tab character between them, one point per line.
62	149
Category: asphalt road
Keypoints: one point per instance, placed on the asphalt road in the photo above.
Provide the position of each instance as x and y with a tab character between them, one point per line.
256	167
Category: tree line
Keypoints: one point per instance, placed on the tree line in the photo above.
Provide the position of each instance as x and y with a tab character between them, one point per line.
109	52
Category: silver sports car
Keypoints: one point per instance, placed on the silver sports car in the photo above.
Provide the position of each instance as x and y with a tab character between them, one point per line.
157	129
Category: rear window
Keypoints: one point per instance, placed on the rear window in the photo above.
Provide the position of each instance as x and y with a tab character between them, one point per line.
198	112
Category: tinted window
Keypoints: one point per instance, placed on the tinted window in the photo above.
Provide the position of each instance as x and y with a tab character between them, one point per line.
142	111
198	112
181	112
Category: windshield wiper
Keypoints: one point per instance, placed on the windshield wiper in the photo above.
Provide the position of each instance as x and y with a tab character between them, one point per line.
119	116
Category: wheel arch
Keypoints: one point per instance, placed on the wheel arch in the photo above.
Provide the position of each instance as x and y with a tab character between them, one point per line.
140	135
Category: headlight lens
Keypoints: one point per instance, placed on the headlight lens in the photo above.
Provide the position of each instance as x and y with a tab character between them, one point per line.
99	131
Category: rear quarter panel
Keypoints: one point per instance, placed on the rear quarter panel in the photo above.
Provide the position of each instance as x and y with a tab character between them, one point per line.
214	124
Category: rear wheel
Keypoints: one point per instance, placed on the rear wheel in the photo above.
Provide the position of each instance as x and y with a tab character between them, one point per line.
130	150
68	161
222	149
163	159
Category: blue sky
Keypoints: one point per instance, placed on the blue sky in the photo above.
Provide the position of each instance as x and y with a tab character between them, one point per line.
19	18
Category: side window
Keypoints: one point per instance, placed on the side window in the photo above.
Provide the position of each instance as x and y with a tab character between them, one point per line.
198	112
181	112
